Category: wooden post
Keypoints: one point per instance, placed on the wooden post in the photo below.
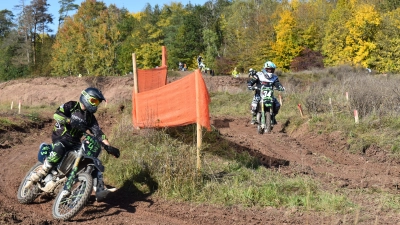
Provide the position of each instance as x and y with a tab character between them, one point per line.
12	103
135	81
135	86
164	56
19	107
347	96
198	129
300	109
356	116
280	99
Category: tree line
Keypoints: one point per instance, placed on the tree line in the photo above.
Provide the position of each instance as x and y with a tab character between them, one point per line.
94	39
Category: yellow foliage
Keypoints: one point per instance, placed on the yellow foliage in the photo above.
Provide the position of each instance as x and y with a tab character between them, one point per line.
362	28
286	47
138	16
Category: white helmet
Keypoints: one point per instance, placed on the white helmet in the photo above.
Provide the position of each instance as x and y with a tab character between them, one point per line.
269	68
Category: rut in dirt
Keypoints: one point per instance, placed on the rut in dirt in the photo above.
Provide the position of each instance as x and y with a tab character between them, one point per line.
324	157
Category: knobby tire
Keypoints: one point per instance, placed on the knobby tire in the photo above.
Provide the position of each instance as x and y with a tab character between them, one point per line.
66	208
26	196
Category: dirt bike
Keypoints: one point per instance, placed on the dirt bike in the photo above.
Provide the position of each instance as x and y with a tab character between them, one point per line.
265	108
76	172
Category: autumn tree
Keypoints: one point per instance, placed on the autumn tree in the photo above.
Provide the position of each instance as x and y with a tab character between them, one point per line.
336	32
386	56
286	46
360	40
148	38
9	45
311	17
178	33
249	33
66	6
86	43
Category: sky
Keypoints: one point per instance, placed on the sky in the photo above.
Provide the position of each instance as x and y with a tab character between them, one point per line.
131	5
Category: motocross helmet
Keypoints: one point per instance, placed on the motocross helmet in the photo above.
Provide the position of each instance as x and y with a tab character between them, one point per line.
269	68
91	98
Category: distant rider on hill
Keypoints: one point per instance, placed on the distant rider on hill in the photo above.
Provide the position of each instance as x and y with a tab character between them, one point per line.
266	75
199	61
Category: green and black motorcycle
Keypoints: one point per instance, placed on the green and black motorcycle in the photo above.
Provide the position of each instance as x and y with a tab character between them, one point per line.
76	173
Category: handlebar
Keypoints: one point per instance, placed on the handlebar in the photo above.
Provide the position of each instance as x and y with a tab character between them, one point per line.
257	88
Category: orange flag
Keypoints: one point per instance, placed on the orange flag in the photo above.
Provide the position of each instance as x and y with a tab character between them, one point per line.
179	103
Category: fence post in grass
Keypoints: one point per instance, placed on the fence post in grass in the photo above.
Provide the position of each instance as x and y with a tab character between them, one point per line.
198	129
19	107
347	96
135	86
300	109
356	116
12	104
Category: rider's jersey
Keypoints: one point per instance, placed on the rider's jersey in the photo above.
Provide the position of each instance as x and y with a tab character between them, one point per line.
261	77
62	128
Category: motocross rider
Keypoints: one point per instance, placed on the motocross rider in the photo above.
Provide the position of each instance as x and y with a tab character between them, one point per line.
199	61
266	75
252	72
72	120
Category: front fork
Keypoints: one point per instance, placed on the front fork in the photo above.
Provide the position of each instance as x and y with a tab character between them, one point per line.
262	109
262	119
72	176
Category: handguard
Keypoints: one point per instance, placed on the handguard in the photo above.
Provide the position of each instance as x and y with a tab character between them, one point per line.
111	150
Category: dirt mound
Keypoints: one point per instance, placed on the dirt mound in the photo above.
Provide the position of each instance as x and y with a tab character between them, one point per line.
322	157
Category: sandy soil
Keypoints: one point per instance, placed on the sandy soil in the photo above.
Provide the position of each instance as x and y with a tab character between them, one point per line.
322	157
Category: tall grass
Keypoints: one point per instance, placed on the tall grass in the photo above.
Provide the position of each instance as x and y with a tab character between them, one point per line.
162	162
375	97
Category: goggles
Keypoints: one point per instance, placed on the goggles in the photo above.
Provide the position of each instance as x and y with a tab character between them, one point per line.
92	100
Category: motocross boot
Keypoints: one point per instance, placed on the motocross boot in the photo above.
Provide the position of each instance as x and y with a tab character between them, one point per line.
254	120
254	117
102	194
42	171
39	174
273	120
101	190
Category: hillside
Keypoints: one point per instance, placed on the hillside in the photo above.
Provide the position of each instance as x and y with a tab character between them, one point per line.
321	157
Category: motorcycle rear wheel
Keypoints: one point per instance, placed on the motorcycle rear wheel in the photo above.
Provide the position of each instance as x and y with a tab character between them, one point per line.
64	208
28	195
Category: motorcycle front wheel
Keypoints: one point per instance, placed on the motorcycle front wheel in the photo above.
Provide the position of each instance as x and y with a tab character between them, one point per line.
260	128
66	207
25	194
268	122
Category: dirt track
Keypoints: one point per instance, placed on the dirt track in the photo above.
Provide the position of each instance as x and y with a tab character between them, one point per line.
322	157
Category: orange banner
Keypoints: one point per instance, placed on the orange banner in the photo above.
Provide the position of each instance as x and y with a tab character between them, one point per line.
179	103
151	79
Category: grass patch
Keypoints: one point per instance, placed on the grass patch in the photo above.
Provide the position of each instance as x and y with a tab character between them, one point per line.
227	104
163	163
